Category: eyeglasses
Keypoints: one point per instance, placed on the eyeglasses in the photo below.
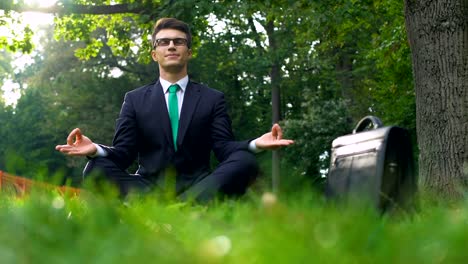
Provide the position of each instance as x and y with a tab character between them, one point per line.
164	42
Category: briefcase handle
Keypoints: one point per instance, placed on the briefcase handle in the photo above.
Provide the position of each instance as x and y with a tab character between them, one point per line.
366	121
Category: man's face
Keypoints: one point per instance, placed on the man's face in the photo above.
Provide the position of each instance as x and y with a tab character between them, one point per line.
173	57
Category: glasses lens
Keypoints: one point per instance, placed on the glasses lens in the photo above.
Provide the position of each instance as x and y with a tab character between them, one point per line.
167	41
163	42
180	41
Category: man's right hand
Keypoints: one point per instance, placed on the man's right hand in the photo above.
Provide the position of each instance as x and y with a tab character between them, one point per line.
77	145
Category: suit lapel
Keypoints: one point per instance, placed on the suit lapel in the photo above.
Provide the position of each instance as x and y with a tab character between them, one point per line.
191	98
160	108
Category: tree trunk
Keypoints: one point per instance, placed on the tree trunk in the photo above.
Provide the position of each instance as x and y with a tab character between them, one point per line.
438	35
275	77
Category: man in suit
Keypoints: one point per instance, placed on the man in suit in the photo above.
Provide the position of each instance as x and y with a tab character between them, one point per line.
171	126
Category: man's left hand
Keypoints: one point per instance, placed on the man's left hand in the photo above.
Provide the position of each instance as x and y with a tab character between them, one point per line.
273	140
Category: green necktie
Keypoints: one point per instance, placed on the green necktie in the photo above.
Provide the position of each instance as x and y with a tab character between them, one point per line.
174	112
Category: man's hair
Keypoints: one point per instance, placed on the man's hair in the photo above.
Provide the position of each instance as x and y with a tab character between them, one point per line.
171	23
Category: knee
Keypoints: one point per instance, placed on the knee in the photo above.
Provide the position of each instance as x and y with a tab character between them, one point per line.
96	166
246	160
239	172
90	167
245	164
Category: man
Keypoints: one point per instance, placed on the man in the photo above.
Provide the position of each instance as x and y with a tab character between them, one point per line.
172	126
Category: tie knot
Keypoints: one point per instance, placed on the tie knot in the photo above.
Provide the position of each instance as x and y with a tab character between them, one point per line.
173	88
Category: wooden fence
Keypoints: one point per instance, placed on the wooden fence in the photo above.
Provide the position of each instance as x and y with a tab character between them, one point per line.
21	186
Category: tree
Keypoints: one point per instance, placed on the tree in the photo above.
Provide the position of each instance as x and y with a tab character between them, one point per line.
438	35
5	71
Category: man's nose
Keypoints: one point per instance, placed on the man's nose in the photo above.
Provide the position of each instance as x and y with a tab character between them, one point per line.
171	45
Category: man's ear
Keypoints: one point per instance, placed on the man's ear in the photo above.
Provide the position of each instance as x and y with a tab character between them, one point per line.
153	55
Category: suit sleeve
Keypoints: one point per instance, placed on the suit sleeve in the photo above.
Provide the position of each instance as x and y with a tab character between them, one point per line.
124	146
221	132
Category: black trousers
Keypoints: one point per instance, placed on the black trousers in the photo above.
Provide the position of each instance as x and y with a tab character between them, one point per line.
230	178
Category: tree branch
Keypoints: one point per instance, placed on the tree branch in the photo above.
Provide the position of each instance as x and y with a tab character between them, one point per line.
257	40
76	9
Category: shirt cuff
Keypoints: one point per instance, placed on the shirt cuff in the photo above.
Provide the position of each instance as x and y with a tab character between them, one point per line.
253	147
100	152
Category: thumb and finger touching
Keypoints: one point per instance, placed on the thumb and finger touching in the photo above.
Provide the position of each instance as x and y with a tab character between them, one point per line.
277	132
74	135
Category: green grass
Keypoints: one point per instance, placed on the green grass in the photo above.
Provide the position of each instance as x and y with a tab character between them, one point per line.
299	228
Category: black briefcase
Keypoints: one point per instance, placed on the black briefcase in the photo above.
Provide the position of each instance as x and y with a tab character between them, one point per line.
373	164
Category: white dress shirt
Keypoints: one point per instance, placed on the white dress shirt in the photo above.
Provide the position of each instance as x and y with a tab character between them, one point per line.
180	92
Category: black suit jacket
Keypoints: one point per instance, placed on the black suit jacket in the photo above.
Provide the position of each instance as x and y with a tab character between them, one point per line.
143	131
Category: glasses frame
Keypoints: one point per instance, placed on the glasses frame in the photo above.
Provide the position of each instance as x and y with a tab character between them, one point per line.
167	41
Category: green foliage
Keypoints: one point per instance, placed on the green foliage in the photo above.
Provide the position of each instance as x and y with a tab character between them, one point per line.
367	45
392	86
16	37
125	35
303	228
27	141
321	122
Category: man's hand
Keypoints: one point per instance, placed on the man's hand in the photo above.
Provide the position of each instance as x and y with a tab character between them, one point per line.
82	145
273	140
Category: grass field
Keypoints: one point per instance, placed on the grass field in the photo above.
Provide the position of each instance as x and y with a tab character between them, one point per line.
298	228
